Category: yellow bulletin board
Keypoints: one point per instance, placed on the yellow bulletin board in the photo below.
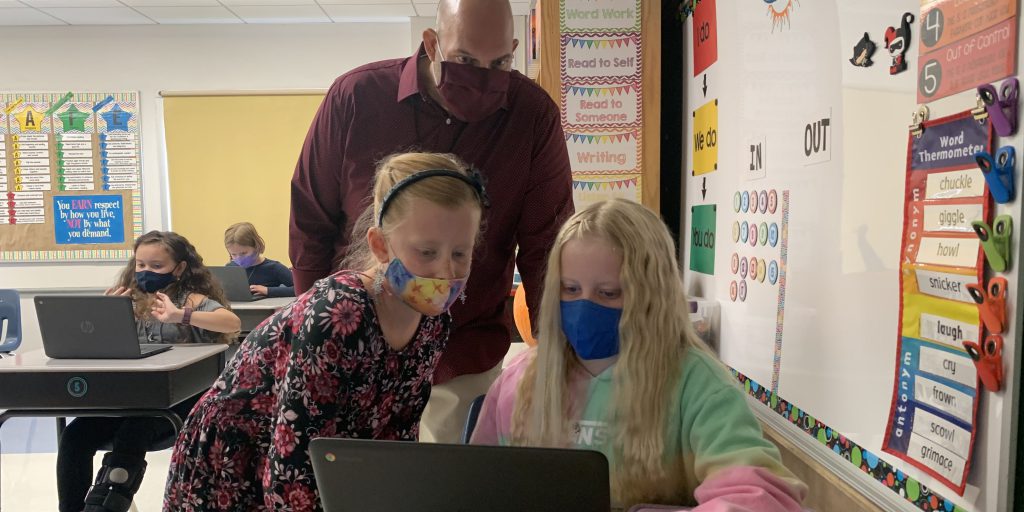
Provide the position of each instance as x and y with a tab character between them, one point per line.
230	158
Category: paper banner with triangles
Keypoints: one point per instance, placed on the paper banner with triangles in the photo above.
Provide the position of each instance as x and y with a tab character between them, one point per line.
604	152
599	16
589	189
615	104
593	56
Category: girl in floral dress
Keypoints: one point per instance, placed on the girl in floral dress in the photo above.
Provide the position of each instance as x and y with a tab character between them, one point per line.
352	357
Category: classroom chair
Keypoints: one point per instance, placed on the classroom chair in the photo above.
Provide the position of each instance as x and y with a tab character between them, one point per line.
10	320
474	413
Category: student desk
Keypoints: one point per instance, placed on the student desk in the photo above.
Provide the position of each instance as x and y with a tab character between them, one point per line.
37	386
253	313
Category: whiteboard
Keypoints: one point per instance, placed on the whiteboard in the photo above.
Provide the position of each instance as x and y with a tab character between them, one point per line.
837	347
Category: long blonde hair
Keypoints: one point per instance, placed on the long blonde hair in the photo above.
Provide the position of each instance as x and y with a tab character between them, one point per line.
443	191
654	333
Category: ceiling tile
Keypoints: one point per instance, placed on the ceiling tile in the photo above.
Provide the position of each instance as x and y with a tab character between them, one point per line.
11	3
26	16
232	3
99	16
336	12
171	3
426	9
189	15
72	3
365	2
281	14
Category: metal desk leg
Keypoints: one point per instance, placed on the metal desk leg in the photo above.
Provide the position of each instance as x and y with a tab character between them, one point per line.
61	414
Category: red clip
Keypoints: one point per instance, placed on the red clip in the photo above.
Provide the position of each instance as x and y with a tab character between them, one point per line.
991	303
988	359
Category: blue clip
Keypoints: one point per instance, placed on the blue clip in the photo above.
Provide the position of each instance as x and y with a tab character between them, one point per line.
998	172
1001	106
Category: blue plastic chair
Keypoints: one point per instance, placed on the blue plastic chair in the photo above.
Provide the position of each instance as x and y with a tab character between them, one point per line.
474	414
10	317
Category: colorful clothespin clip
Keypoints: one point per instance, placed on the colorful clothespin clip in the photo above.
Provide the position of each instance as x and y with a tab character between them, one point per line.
979	112
998	172
917	121
991	303
1002	106
995	241
988	359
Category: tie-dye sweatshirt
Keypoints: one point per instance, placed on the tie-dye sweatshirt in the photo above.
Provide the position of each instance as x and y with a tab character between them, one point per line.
718	458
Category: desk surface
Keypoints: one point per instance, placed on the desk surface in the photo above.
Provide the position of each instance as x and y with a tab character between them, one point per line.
178	357
270	303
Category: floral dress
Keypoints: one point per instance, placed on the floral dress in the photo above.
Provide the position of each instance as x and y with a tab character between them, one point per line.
318	368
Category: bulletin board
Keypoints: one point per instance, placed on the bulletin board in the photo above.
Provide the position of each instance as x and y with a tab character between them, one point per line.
839	244
606	81
70	176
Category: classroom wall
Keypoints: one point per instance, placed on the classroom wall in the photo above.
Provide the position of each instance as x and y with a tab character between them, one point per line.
150	59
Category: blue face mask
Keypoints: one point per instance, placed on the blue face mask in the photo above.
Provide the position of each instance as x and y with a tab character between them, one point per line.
152	282
592	329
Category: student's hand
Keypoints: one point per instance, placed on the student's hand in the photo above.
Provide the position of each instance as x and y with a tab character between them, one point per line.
120	290
165	311
258	290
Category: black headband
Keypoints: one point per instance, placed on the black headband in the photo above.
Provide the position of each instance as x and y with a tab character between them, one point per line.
473	178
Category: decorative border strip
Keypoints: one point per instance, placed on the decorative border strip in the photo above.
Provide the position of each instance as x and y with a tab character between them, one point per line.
780	314
635	38
631	84
896	480
635	133
565	30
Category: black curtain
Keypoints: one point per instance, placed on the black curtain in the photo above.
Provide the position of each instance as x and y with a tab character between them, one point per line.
672	116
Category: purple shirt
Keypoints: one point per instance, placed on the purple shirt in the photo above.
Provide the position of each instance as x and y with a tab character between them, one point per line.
381	108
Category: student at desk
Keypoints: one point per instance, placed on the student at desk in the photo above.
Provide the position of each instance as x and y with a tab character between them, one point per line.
619	369
352	357
267	278
176	301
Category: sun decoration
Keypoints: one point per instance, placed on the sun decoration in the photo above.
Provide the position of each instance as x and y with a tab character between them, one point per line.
780	16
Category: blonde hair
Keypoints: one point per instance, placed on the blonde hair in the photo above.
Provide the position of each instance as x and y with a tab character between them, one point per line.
441	190
244	234
654	332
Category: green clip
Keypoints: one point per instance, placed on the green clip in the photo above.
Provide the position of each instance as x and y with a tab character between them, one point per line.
996	241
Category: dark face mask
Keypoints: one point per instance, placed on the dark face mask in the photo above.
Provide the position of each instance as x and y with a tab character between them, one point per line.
472	93
152	282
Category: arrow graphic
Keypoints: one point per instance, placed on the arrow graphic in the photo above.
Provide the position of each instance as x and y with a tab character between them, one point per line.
704	188
705	88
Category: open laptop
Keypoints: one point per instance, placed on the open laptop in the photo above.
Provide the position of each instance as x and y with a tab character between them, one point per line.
235	283
91	327
356	475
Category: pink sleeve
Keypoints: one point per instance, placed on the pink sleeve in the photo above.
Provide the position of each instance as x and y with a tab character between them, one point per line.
493	426
486	430
748	489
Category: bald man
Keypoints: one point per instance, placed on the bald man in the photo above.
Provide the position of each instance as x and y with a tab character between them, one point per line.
457	94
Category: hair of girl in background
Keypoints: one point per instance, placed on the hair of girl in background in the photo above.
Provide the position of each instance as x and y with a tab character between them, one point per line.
194	278
244	234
